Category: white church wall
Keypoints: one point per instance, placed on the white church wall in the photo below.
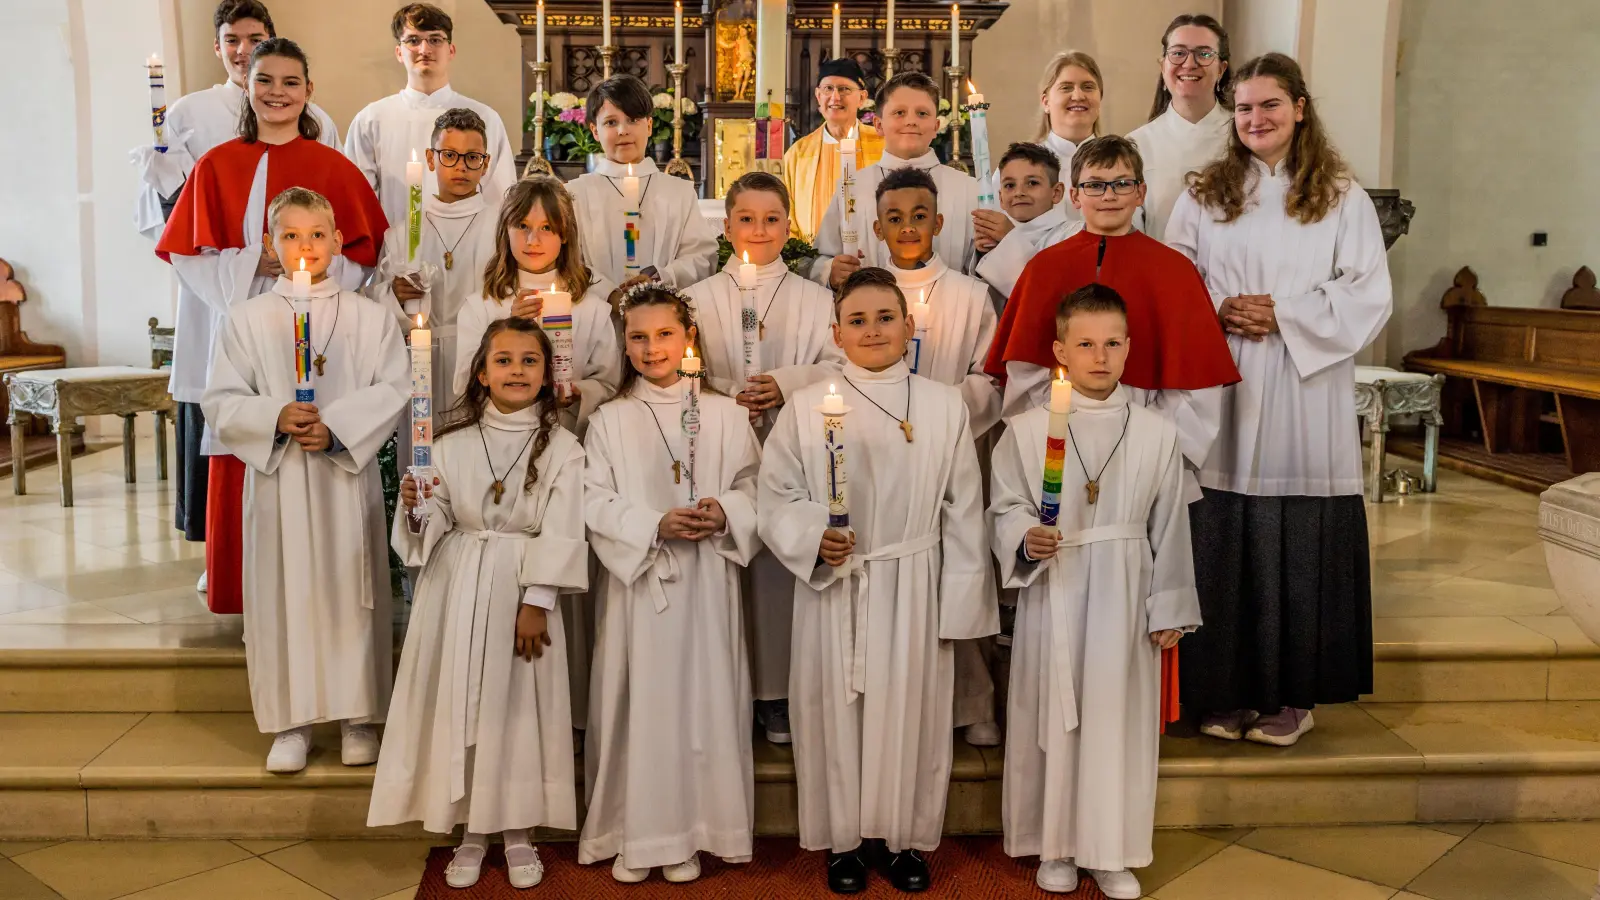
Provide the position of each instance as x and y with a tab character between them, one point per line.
1495	139
1262	26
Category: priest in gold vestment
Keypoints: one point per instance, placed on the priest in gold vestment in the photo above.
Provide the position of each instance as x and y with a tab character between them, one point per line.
811	164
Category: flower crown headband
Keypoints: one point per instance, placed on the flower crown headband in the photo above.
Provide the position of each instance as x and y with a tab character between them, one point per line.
639	294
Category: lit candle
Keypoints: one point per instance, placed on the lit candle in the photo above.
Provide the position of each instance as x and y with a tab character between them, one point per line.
539	33
690	364
690	369
832	403
605	23
955	34
921	316
158	100
630	189
414	210
300	294
978	120
630	222
838	50
889	35
300	282
677	32
833	412
749	317
1055	449
849	235
421	467
556	319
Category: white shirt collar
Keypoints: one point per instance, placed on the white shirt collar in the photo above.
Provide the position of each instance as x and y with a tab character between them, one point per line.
649	393
1113	403
772	271
919	280
1037	227
1211	121
1062	148
536	281
469	206
526	419
828	138
893	375
642	169
443	98
925	161
284	286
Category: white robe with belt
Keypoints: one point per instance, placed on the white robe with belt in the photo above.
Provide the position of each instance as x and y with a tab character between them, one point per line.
871	687
798	350
476	734
1084	707
673	235
319	638
668	756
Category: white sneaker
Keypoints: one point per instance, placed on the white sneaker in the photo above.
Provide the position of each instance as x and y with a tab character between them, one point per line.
201	584
622	873
1118	885
1057	876
983	734
523	874
686	871
465	866
289	749
358	745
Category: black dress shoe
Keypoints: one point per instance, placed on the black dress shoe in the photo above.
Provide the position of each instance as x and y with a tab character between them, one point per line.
908	871
874	853
847	874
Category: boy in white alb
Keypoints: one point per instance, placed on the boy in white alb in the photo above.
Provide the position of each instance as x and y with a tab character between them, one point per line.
795	348
391	132
1104	591
1033	219
319	636
908	116
675	244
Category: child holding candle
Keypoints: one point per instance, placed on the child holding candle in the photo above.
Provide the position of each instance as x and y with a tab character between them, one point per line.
796	348
669	762
1031	190
501	539
318	635
876	608
672	237
908	116
1103	593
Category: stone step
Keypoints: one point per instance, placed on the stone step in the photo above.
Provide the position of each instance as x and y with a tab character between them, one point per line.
1434	659
185	775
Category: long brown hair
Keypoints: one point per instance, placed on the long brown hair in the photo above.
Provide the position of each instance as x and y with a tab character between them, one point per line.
1052	71
654	293
468	411
1163	98
249	129
1317	173
500	273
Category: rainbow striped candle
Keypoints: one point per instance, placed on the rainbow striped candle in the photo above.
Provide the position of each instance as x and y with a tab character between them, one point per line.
304	390
630	240
1055	450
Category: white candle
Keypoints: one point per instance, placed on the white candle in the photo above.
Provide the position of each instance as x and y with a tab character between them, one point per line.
847	147
920	317
539	33
889	35
833	411
978	123
832	403
158	100
414	208
300	282
555	316
955	34
605	23
421	467
691	363
747	273
849	236
414	170
837	46
1061	394
630	189
677	32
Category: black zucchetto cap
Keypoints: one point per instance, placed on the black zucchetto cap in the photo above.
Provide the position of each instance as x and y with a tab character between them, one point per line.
843	67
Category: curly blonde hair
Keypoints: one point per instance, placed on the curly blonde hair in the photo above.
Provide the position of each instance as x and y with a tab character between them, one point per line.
1318	176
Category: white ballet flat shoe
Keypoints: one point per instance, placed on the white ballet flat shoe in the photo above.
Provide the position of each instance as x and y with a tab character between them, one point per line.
289	749
683	872
528	875
983	734
200	585
464	874
1118	885
358	745
625	875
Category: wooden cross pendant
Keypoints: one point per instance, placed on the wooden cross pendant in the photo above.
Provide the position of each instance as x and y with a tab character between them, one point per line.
1093	488
677	472
906	427
449	260
761	331
318	362
499	488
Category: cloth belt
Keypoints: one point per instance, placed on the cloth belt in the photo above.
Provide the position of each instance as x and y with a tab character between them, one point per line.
853	628
663	571
1059	591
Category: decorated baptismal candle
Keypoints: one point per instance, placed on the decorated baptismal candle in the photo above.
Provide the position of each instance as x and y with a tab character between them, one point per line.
556	319
422	409
833	412
414	207
1055	449
849	235
978	116
690	369
749	318
630	222
921	313
300	298
158	100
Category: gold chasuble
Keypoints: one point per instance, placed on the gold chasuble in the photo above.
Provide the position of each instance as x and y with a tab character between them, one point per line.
811	171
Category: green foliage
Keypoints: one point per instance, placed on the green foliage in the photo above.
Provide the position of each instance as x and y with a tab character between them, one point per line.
797	254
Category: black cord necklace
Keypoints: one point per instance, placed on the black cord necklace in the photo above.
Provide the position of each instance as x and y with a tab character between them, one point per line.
322	355
499	486
612	180
762	322
677	467
450	252
905	423
1092	485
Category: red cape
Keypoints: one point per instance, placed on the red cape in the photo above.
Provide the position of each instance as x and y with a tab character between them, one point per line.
1177	342
210	211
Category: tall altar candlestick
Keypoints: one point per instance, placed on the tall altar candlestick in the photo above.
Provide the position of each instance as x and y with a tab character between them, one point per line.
888	38
556	319
539	33
749	318
158	100
300	298
414	210
690	369
849	235
833	412
979	119
605	23
955	34
838	47
677	33
421	467
921	315
1055	449
630	222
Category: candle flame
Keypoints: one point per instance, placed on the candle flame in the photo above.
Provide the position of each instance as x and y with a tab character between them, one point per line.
302	263
747	256
970	88
1061	374
419	320
688	353
630	170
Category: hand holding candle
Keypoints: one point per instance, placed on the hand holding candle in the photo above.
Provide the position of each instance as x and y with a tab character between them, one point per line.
833	412
1055	449
300	298
421	467
979	120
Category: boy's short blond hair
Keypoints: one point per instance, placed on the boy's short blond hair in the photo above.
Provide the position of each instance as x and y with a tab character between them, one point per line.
300	198
1091	298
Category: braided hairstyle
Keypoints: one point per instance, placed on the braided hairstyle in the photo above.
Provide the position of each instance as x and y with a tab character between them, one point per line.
468	411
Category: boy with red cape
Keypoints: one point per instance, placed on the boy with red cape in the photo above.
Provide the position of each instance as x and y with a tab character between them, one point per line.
215	239
1178	356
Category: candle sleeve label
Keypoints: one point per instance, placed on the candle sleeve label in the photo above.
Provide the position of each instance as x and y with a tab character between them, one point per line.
304	390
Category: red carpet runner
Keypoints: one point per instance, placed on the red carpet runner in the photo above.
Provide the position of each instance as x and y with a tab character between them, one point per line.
974	868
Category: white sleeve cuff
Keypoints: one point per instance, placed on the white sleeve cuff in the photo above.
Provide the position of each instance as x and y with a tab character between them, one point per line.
540	595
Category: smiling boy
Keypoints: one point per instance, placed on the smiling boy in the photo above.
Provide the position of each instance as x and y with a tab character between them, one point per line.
1031	191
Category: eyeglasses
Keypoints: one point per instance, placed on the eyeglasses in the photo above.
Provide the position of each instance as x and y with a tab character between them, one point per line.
1203	57
415	42
1121	187
844	91
449	158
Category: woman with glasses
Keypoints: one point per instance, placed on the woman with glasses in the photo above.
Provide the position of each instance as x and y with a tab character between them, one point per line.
1189	120
1293	256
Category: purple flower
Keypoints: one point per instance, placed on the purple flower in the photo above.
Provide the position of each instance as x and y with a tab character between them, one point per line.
574	115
